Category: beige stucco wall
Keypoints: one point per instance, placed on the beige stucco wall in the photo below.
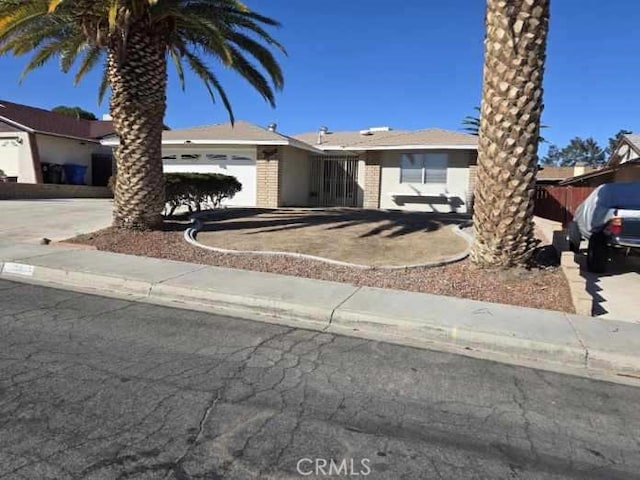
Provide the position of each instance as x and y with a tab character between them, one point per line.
421	197
15	156
66	150
295	171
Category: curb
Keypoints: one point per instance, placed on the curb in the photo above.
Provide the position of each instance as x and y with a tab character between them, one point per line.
191	233
507	334
582	300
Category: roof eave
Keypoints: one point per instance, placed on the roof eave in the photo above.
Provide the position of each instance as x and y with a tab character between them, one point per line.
17	125
588	175
361	148
114	142
81	139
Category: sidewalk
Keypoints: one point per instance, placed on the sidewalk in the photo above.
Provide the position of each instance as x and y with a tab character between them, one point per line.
523	336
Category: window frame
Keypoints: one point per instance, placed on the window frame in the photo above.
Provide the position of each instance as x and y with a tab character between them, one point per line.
424	167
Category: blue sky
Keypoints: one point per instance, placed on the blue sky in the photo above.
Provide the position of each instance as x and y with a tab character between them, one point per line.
412	64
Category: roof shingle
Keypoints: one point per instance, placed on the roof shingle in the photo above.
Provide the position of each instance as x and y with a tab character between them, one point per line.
45	121
560	173
634	138
240	131
391	138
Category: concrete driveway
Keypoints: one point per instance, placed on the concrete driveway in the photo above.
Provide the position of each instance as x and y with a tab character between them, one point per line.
56	219
615	293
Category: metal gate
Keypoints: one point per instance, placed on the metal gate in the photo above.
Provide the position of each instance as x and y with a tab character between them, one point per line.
334	181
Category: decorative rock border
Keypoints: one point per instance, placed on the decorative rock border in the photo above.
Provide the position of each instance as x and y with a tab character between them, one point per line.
191	233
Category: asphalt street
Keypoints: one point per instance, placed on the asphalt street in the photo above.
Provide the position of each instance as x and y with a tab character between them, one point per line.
98	388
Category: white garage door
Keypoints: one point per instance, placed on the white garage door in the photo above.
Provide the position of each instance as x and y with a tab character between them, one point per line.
239	164
9	157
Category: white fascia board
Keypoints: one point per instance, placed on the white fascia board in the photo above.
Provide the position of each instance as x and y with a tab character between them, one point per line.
332	147
114	142
224	142
399	147
424	147
16	124
57	135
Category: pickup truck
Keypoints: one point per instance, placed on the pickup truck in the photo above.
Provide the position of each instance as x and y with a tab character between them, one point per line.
610	220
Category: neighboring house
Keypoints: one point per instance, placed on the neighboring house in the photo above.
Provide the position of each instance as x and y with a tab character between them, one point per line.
623	166
430	170
32	136
555	175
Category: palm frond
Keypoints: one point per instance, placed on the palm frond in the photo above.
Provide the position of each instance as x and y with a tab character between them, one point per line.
80	32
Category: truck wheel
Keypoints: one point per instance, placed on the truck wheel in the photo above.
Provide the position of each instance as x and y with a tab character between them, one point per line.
597	253
574	237
575	248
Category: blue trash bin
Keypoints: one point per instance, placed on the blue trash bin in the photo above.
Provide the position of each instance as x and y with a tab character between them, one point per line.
74	173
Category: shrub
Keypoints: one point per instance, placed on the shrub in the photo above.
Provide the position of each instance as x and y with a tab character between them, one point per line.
195	190
198	190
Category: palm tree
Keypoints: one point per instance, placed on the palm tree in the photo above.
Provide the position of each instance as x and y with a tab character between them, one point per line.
471	125
515	53
133	40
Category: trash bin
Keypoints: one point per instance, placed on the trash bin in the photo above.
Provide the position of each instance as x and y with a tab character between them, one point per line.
51	173
74	174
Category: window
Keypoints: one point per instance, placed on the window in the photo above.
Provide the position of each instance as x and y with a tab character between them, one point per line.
240	158
435	168
190	157
424	168
411	168
216	157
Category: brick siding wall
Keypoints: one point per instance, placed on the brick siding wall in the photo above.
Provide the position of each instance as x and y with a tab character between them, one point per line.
372	168
268	178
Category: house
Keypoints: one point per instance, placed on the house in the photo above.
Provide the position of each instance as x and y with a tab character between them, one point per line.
548	175
31	137
623	166
429	170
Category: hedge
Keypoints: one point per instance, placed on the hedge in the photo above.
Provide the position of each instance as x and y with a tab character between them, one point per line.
196	190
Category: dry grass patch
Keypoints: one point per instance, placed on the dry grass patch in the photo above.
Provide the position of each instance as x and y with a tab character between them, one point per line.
355	236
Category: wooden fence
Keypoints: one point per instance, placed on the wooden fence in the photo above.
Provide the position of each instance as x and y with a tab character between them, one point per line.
559	203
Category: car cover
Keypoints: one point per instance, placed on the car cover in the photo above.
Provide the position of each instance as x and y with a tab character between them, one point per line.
594	213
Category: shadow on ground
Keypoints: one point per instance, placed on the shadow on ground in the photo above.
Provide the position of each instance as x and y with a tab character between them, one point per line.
619	264
394	223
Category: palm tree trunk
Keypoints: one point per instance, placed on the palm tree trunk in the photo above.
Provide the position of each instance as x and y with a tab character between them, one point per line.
515	55
138	79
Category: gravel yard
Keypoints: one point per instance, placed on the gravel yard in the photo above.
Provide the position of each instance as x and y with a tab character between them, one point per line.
541	287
